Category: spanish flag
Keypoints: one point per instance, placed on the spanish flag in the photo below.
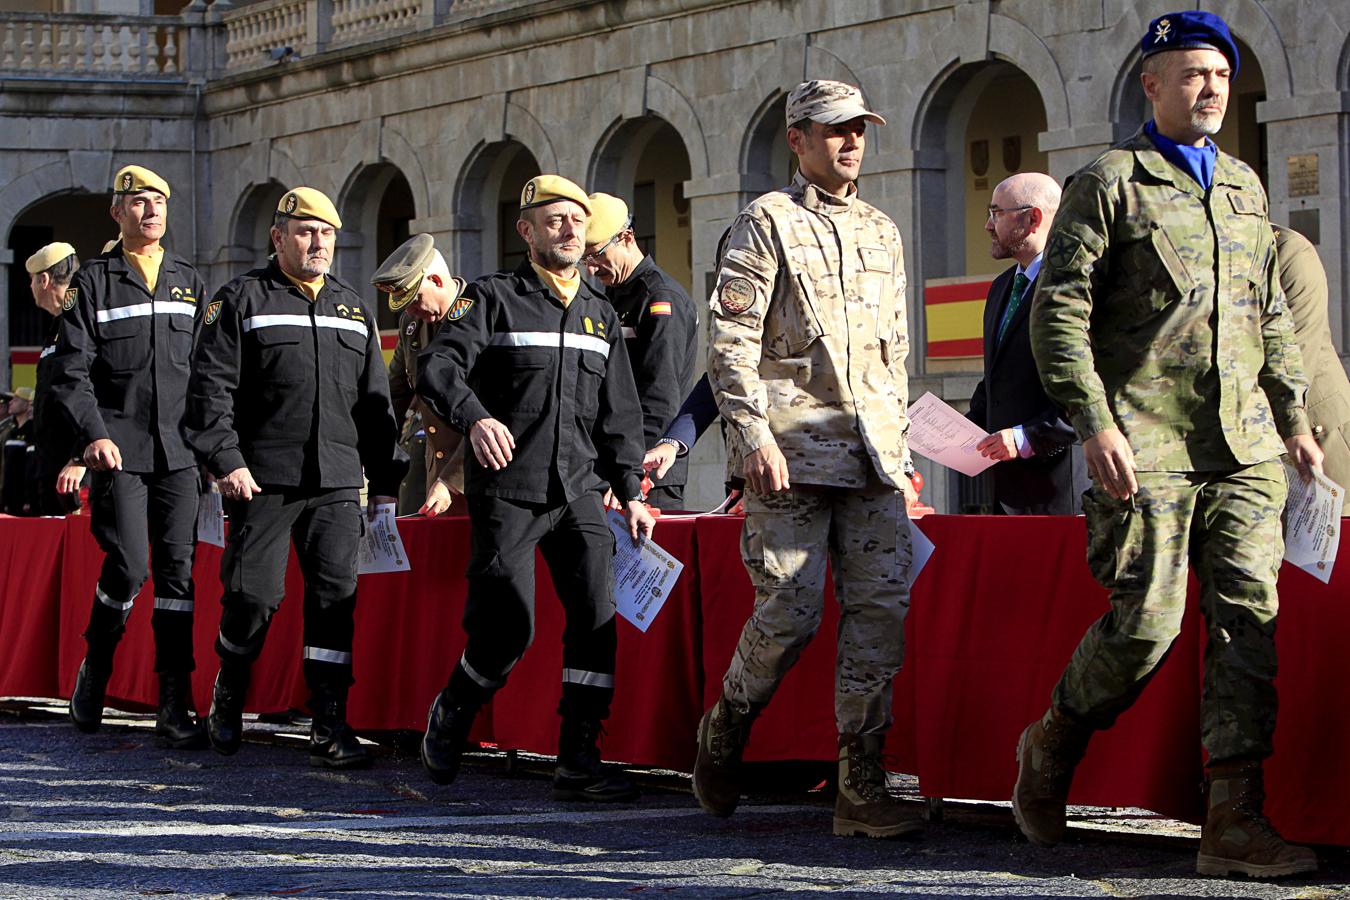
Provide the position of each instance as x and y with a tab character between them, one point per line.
954	311
659	308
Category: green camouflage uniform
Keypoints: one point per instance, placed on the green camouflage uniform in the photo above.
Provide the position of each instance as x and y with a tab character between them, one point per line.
808	349
1158	312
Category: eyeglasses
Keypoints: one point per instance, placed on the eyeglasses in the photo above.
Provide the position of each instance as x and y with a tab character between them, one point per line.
594	256
995	211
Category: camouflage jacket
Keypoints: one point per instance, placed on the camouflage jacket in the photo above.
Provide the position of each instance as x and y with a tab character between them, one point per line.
808	341
1158	311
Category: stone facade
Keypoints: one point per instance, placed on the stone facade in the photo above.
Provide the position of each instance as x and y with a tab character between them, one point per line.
440	96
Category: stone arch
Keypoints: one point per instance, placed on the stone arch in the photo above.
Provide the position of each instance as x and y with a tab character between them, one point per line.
764	161
667	102
365	227
1343	67
522	127
482	182
1015	43
395	149
248	242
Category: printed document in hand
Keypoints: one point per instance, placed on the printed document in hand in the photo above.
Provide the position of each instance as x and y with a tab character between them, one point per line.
381	550
945	436
643	575
211	518
1312	523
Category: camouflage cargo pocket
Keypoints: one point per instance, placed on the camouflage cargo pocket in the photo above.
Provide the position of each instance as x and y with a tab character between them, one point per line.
1114	538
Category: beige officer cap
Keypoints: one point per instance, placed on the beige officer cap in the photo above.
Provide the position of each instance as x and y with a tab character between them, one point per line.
134	179
545	189
828	102
400	276
308	203
48	256
609	216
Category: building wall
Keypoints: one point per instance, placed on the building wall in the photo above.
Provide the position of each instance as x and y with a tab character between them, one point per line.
578	85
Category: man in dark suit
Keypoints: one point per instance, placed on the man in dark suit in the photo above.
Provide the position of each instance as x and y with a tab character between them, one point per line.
1040	470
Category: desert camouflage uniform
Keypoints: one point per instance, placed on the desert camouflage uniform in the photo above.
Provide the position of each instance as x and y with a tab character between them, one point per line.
1158	312
808	351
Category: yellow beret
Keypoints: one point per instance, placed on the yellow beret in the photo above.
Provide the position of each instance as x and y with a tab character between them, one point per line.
111	244
307	203
134	179
48	256
23	393
609	216
545	189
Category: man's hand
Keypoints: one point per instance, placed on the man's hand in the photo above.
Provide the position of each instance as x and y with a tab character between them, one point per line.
492	443
998	446
102	455
659	459
238	485
640	522
69	478
766	470
911	495
438	500
611	502
1110	462
375	501
1305	455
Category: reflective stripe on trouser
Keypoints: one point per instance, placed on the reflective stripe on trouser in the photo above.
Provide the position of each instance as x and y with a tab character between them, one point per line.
1228	525
786	543
578	547
146	525
326	529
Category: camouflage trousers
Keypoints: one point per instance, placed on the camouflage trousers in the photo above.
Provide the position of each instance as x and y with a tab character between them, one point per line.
1226	525
788	539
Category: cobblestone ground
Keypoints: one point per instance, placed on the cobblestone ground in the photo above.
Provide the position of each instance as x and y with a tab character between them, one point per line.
112	815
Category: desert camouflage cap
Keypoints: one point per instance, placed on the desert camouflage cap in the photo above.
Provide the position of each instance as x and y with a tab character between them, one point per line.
828	102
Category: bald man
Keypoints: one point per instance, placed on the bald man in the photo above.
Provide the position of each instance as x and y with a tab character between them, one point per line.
1039	471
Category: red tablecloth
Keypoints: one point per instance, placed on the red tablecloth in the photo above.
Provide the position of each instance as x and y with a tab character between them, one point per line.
994	618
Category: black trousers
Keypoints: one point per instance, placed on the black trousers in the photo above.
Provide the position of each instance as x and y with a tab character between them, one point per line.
578	547
146	525
326	526
44	498
666	496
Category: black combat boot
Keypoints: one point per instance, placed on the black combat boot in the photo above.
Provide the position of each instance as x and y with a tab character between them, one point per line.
722	735
177	726
86	701
580	774
225	722
448	725
332	743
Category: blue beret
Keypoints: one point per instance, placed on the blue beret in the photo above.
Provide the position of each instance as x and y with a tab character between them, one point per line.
1190	30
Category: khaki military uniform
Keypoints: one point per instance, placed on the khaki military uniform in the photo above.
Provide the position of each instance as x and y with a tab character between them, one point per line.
808	347
1305	288
1158	312
444	445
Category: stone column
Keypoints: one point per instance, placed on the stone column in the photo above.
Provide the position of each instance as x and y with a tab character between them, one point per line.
6	260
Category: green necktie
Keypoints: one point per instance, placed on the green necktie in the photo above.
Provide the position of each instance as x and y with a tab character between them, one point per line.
1019	288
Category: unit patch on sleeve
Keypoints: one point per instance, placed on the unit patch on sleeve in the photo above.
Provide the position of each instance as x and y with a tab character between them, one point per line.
72	296
212	312
737	295
459	308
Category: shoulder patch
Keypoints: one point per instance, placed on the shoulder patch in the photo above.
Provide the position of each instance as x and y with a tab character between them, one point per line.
736	295
659	308
212	312
459	308
72	296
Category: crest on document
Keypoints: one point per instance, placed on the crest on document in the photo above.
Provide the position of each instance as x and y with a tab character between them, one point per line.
72	296
1163	32
212	312
737	295
459	308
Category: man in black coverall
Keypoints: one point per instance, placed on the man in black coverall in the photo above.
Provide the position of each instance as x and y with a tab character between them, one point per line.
289	401
120	374
531	366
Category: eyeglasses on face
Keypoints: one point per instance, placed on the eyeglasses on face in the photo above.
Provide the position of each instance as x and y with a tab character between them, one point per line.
996	211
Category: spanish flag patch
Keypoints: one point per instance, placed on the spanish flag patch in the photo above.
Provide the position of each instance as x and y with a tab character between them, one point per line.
659	308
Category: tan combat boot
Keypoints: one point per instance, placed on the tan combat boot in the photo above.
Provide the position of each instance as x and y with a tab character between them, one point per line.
1047	754
1236	836
864	806
722	735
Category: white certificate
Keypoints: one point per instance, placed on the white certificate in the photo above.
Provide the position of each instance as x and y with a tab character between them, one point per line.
643	575
945	436
1312	523
922	549
381	550
211	518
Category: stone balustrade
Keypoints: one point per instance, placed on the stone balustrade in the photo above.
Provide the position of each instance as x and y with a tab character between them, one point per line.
77	45
254	31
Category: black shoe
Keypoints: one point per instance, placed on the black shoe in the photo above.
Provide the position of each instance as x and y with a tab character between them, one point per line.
580	774
225	722
448	726
332	743
177	726
86	701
